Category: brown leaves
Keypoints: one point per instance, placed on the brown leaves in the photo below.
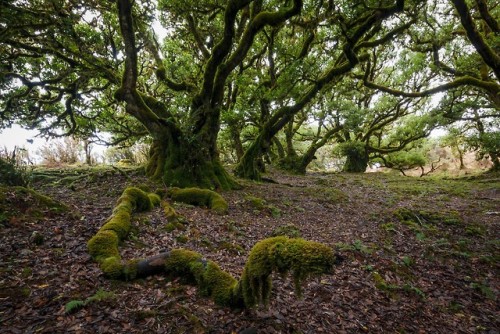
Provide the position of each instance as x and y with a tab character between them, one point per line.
37	281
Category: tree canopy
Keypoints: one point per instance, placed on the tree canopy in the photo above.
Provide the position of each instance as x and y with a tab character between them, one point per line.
360	72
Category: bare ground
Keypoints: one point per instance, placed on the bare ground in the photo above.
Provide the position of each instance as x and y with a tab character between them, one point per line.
399	276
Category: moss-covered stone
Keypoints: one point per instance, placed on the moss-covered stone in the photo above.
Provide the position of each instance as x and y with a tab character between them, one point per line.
103	245
200	197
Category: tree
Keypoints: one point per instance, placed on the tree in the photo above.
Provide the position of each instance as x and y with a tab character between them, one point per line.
358	29
81	69
458	49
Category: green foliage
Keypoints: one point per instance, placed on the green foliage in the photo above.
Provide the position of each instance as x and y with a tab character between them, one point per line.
13	171
487	144
403	160
100	296
73	306
355	154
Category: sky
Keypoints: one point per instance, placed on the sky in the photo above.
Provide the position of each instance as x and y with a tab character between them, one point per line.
18	137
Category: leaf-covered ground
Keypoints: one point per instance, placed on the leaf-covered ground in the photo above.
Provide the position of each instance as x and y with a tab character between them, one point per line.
421	256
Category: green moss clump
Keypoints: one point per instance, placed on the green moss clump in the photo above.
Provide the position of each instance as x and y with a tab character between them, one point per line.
200	197
300	257
181	262
112	267
289	230
219	285
103	245
170	227
155	199
140	200
256	202
119	223
408	216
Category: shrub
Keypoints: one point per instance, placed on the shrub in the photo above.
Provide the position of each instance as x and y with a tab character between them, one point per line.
13	170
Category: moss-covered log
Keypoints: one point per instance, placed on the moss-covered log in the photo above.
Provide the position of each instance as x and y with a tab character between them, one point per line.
103	246
200	197
279	254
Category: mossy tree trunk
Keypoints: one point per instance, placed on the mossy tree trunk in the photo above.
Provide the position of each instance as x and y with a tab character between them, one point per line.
281	116
356	162
298	164
187	155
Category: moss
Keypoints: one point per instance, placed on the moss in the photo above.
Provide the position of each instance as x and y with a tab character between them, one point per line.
170	227
23	204
218	284
231	247
256	202
112	267
180	264
289	230
300	257
130	269
155	199
200	197
103	245
124	205
139	198
409	216
119	223
182	239
171	214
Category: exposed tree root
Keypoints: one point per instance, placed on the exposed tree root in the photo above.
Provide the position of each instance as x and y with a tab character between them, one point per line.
279	254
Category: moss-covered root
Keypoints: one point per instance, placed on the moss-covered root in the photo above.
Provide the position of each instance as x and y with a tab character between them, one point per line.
200	197
103	247
300	257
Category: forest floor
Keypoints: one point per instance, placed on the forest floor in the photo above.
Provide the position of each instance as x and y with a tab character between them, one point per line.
421	256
